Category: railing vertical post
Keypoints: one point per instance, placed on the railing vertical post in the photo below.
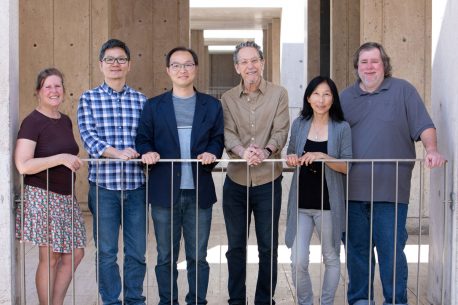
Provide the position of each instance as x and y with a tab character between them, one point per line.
420	218
97	257
346	233
247	228
47	236
147	230
444	241
73	239
369	283
395	234
172	259
22	263
197	229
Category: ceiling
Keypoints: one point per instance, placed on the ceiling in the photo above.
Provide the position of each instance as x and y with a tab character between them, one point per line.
232	18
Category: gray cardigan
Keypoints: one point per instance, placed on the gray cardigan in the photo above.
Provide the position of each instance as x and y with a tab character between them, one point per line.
339	147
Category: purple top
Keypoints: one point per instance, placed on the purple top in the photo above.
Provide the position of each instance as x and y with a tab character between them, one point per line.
53	136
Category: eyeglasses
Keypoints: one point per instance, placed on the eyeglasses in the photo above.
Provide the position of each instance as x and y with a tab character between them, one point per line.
177	67
119	60
245	62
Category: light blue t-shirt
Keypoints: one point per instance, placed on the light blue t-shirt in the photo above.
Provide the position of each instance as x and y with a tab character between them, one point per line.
184	113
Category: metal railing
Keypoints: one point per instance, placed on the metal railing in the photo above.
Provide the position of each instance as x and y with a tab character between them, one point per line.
218	294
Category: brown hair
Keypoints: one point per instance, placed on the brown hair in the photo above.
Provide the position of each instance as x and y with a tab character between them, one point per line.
44	74
369	46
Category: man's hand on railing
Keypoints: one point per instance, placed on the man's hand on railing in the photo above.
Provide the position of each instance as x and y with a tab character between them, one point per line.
125	154
150	157
434	159
206	158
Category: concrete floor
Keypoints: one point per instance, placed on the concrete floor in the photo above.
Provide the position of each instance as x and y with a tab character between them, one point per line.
85	286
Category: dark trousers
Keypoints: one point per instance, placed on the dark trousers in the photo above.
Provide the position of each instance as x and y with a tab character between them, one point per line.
265	205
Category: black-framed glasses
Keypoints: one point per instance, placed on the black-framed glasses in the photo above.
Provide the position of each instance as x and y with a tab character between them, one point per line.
187	66
112	60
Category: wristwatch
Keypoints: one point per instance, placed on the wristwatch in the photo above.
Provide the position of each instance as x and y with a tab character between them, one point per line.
269	151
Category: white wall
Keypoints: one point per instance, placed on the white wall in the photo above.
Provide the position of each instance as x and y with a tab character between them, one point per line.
9	101
293	63
445	115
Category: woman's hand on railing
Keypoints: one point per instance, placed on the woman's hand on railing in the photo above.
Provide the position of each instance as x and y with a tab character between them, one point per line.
206	158
71	161
150	157
292	160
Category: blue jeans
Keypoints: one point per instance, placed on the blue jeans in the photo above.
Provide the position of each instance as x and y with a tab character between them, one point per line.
266	215
184	221
322	222
107	215
383	239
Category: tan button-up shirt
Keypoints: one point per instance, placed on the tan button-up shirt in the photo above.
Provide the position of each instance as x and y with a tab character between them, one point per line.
260	118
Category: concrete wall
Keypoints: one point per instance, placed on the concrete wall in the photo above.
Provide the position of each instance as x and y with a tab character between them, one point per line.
444	98
9	98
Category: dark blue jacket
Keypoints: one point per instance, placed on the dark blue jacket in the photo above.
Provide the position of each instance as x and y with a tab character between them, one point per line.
157	131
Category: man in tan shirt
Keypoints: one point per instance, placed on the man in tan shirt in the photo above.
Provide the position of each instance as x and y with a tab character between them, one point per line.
256	123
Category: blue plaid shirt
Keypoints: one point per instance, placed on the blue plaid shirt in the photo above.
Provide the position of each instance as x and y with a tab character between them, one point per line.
109	118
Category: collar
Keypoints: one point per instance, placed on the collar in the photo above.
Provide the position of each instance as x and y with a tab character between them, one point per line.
262	87
110	90
386	84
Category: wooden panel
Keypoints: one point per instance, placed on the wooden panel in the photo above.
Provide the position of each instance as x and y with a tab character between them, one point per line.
344	41
171	28
404	37
223	73
197	44
313	39
71	55
35	48
132	22
372	20
99	32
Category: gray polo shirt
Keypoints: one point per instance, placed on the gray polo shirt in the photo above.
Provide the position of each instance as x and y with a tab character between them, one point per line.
384	125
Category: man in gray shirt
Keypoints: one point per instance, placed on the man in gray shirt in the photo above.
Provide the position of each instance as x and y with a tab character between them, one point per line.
386	116
181	124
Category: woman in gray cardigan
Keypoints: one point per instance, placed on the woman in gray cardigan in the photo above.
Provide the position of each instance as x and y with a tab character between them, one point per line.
316	200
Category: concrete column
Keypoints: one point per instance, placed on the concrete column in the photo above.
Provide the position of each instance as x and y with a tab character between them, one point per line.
444	96
344	40
206	62
265	49
9	103
197	44
275	51
313	39
268	58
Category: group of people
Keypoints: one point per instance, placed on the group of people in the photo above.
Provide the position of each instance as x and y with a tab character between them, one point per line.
379	117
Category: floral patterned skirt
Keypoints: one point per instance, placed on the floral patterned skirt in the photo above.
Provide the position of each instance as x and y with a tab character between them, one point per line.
54	228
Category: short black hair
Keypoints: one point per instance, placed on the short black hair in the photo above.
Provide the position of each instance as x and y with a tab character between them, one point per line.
335	112
184	49
114	43
245	44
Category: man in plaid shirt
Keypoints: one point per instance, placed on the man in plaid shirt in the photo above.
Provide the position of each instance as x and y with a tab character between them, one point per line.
108	117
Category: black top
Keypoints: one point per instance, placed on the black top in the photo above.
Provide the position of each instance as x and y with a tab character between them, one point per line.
310	180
